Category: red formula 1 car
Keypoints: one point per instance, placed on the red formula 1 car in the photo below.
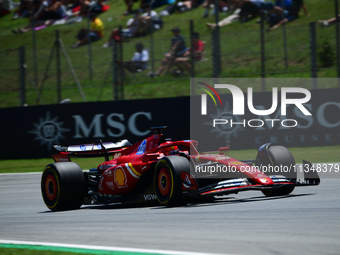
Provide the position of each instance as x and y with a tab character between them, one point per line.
165	172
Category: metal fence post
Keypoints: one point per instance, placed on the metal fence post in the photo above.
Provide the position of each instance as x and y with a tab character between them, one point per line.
22	68
284	34
34	49
192	56
35	65
120	66
89	42
152	55
57	45
115	70
337	35
313	56
263	55
216	50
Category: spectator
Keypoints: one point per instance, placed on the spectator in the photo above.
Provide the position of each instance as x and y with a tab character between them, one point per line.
177	50
133	28
139	61
295	8
92	6
151	21
49	11
26	9
137	26
144	4
233	5
198	50
292	6
244	11
54	10
278	15
94	34
251	9
179	6
328	22
226	21
222	5
284	4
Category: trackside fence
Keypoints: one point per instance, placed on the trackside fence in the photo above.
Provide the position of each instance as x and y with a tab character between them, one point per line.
61	70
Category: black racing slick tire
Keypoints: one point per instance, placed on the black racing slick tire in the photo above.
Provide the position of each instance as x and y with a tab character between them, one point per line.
63	186
167	180
282	191
281	156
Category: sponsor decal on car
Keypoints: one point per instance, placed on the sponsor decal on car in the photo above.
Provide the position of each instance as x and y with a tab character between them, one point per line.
117	155
105	166
120	177
110	185
58	159
188	181
141	148
235	163
132	170
149	197
109	173
221	157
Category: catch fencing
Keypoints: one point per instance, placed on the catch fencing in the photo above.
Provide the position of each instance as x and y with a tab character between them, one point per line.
92	71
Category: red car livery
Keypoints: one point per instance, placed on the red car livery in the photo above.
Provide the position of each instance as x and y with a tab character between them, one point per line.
159	171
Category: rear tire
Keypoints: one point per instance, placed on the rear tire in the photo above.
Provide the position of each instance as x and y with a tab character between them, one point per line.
63	186
167	180
281	156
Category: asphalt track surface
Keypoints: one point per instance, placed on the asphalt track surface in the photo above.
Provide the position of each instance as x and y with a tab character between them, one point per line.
305	222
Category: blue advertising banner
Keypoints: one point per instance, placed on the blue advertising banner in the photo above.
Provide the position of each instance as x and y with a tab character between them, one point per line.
31	132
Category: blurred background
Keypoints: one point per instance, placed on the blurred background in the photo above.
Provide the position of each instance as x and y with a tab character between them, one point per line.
42	66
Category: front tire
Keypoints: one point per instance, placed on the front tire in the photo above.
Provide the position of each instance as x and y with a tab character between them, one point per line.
282	191
167	180
63	186
281	156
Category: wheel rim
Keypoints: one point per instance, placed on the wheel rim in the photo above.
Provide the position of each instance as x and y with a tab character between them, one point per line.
51	187
164	182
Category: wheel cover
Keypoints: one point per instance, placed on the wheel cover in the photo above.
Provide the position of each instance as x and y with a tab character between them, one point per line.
164	182
51	187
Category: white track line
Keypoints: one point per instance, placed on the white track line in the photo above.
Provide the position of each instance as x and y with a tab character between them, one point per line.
105	248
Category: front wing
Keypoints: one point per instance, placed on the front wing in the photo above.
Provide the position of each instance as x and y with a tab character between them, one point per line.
311	178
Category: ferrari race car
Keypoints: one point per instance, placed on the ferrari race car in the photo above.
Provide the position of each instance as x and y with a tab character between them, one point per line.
165	172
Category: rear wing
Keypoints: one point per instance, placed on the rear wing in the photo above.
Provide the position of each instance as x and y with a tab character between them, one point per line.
96	149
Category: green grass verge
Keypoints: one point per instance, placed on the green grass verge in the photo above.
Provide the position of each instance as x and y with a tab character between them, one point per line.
38	165
28	249
11	251
312	154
